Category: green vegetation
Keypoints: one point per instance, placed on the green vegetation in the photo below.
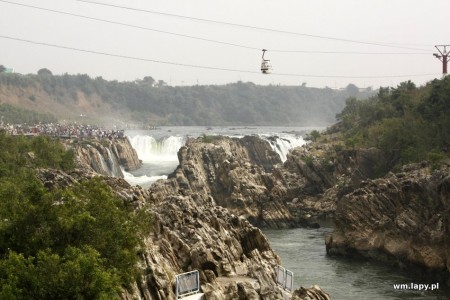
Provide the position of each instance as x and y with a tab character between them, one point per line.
409	124
313	136
80	242
309	160
154	102
20	153
210	138
14	115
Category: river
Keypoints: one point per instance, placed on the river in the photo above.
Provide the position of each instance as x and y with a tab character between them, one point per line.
302	251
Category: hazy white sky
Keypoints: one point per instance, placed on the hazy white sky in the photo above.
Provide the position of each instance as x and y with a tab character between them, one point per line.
415	24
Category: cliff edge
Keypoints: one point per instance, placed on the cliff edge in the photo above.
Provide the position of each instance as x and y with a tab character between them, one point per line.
403	216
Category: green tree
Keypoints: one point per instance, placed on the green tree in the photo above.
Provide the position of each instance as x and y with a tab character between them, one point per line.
81	240
44	72
77	274
409	124
313	136
148	81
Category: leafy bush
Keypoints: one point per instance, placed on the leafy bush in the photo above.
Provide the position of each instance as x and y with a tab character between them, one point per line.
309	160
77	274
209	138
41	151
86	214
312	136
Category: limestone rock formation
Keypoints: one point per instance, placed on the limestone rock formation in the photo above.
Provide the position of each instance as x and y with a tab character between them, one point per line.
315	176
312	293
201	217
233	257
403	216
105	156
236	174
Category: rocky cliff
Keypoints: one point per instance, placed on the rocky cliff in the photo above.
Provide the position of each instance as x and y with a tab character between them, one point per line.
233	257
105	156
236	173
246	176
316	175
403	217
204	213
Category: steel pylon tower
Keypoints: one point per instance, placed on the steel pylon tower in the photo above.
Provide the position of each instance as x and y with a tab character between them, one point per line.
443	56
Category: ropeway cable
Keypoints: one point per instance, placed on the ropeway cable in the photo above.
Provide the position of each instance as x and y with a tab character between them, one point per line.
251	27
198	66
211	40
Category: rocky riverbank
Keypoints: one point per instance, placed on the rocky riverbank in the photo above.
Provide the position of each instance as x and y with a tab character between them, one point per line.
403	217
196	223
205	212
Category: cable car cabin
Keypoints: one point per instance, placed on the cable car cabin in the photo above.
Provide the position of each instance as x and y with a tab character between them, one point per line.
266	67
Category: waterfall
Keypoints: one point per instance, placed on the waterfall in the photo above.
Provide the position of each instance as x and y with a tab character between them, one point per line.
143	180
283	144
103	165
150	149
113	165
158	151
159	157
106	165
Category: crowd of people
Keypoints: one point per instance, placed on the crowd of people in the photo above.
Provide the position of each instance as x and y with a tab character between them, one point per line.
63	130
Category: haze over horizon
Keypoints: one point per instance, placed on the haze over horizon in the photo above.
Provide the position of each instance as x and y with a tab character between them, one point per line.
123	40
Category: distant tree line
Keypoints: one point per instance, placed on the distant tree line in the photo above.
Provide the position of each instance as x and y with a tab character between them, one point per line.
154	102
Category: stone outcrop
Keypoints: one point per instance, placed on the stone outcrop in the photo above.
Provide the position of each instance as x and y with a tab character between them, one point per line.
105	156
402	217
58	179
312	293
306	176
236	173
374	217
231	255
315	176
247	177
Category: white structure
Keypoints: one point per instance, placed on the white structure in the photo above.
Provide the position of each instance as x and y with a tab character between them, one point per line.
188	284
284	278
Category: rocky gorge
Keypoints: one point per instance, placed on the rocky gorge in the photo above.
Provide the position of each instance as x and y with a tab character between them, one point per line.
207	210
203	216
